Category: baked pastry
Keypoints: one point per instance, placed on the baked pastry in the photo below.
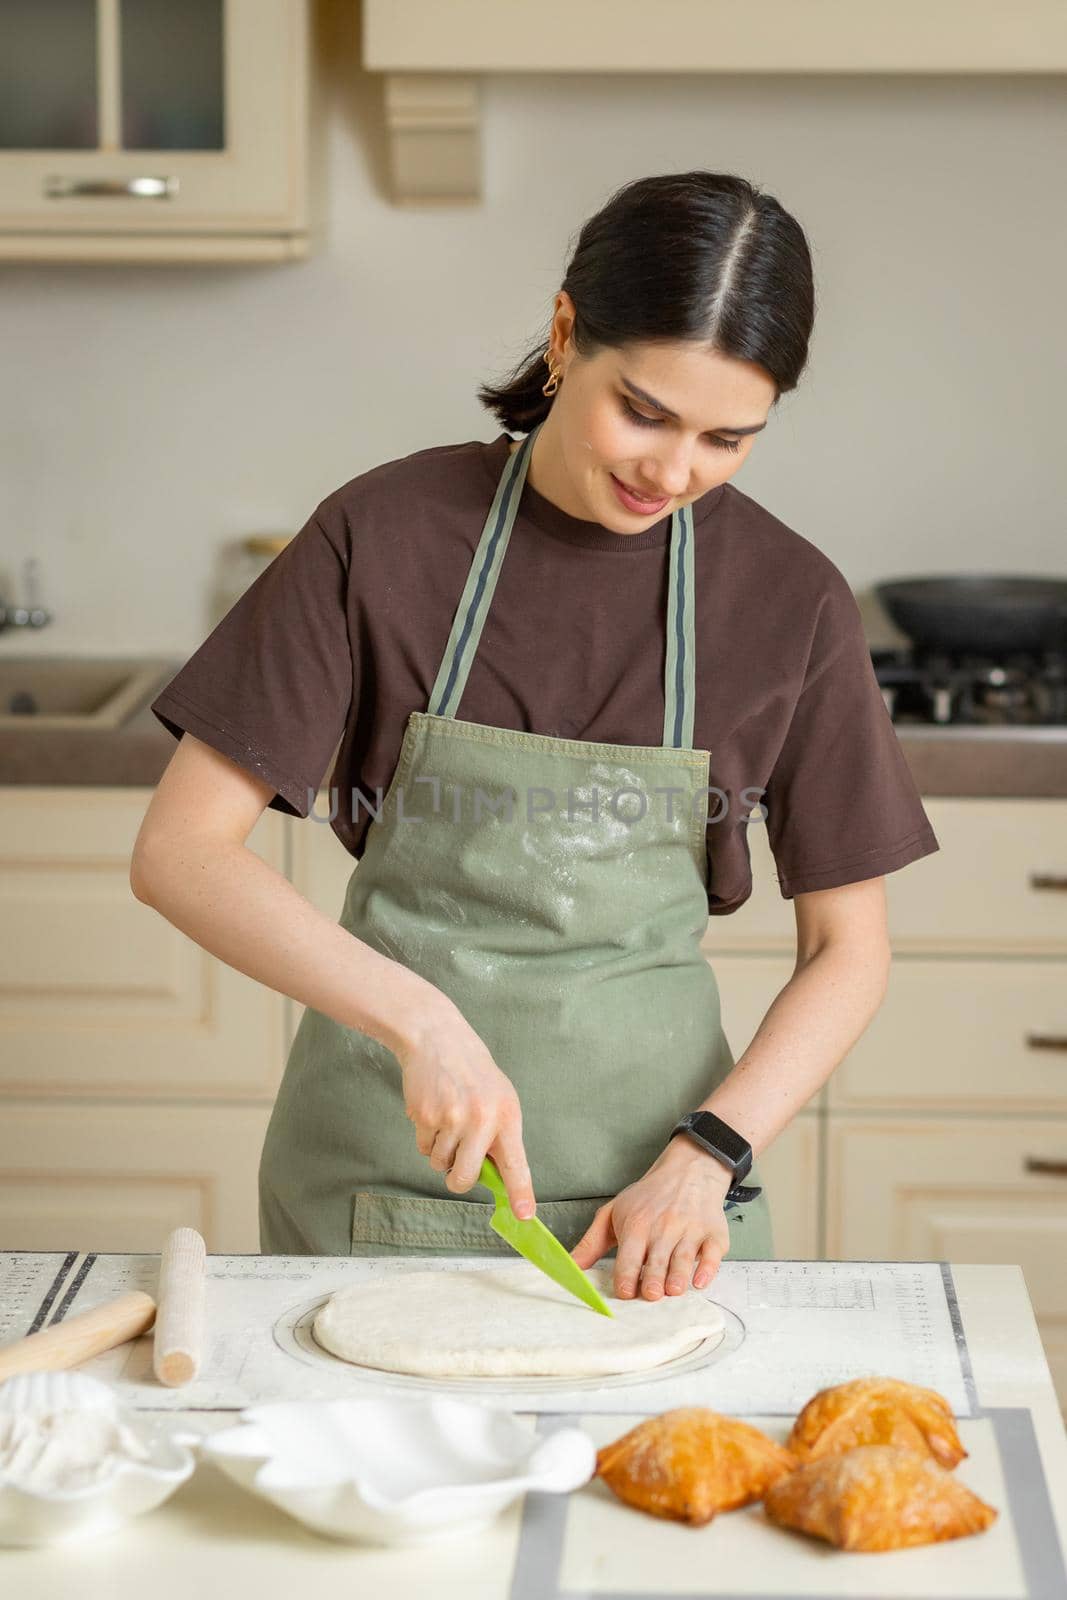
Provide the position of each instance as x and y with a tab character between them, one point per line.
689	1463
876	1411
877	1497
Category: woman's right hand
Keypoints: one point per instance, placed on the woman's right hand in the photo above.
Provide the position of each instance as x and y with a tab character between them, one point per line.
463	1106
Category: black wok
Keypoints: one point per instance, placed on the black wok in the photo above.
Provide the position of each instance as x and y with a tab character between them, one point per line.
979	614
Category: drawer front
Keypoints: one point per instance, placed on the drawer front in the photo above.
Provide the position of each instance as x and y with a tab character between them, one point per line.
998	882
966	1035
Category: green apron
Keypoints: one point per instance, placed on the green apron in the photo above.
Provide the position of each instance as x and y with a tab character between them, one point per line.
556	891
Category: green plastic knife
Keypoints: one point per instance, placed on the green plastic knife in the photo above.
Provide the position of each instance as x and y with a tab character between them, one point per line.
537	1243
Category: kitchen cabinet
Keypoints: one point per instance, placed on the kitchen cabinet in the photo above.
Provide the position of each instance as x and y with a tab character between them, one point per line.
949	1189
983	1035
997	884
933	1147
137	1072
433	57
791	1171
788	36
120	1175
140	130
102	996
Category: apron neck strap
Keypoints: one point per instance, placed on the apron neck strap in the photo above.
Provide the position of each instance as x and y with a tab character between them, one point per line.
474	603
679	673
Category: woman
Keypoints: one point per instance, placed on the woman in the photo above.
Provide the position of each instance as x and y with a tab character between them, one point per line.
525	652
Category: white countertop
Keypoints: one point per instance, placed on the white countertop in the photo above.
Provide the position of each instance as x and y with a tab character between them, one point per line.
211	1535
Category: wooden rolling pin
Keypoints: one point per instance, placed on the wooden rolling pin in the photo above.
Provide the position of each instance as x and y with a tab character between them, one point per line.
77	1338
179	1334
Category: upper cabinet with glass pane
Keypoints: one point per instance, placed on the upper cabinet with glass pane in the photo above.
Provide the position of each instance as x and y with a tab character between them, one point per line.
169	130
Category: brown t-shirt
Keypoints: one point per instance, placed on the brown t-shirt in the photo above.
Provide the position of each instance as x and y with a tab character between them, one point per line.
332	647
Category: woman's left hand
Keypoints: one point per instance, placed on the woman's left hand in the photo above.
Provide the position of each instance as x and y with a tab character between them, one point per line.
665	1224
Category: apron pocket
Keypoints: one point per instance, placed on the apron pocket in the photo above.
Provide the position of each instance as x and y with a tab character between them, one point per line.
405	1224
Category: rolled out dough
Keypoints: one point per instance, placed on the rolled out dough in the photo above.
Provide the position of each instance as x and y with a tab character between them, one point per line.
509	1321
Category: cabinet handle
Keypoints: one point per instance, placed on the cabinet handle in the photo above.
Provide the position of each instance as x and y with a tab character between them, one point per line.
1046	1041
1049	880
111	188
1049	1169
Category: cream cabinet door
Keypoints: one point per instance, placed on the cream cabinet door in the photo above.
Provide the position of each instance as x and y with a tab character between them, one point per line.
998	882
963	1035
99	1177
791	1168
101	995
134	132
957	1190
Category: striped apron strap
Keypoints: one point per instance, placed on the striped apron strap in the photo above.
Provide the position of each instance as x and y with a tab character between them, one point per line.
477	594
679	677
473	608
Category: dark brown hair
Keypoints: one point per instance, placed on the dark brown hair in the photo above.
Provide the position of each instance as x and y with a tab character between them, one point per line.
697	256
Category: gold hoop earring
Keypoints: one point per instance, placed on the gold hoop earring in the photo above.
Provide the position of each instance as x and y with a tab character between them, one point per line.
552	385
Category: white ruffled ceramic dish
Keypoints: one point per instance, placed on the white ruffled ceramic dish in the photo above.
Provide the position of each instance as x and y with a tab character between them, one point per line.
396	1471
134	1474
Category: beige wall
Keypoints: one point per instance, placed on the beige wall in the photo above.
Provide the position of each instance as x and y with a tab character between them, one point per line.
148	415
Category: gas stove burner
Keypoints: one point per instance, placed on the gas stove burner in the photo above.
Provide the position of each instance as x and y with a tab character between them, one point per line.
976	690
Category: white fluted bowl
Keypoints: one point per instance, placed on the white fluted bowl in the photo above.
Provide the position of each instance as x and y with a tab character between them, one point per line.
396	1471
128	1486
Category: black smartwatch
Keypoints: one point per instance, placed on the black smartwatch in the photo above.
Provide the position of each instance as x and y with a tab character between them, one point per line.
727	1145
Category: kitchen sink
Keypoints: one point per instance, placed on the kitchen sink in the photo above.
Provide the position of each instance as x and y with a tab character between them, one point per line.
49	692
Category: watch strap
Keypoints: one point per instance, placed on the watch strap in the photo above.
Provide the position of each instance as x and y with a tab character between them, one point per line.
739	1167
